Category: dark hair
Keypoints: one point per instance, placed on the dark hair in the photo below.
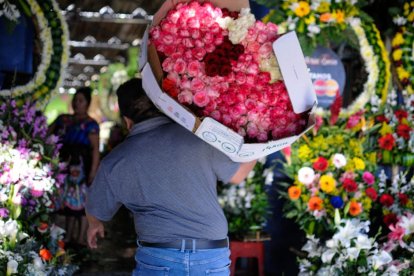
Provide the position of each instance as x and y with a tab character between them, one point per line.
86	92
134	103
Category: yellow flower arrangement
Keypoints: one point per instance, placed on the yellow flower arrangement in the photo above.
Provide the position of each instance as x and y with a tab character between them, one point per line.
335	20
402	46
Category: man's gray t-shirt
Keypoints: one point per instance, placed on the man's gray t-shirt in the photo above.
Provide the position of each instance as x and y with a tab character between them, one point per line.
167	177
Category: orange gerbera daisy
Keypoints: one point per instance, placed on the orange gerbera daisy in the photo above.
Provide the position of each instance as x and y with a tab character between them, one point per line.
315	203
355	209
294	192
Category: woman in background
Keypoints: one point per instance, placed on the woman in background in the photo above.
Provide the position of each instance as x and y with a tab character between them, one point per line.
79	135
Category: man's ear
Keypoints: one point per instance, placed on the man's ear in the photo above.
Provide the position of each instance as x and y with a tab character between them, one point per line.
128	122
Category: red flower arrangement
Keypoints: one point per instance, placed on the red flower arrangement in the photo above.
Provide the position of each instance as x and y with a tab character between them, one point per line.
221	64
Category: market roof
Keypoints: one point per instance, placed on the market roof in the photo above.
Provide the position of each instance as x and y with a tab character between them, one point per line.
101	32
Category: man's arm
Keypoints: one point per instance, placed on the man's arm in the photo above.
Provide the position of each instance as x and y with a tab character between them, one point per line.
95	229
243	172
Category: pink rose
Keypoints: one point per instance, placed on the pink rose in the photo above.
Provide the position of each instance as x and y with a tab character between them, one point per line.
198	53
209	48
253	69
195	33
199	43
169	27
185	97
197	84
216	115
167	39
262	37
266	50
188	42
262	136
253	47
194	69
180	66
240	78
200	99
184	33
252	130
169	49
155	33
208	38
167	65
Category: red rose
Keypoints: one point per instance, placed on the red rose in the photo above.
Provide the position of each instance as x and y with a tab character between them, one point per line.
170	87
401	114
381	119
387	142
321	164
238	49
390	219
403	198
403	130
350	185
371	193
225	70
386	200
212	70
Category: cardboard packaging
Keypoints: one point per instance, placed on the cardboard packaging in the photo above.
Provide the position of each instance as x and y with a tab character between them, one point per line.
294	71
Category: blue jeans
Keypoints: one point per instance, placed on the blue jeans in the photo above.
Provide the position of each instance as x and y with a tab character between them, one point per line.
153	261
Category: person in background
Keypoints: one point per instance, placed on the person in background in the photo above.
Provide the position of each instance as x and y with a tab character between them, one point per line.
167	177
79	135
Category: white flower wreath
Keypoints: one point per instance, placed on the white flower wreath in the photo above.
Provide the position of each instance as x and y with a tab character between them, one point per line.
43	83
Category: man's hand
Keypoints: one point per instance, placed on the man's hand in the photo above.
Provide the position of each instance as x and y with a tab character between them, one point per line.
95	229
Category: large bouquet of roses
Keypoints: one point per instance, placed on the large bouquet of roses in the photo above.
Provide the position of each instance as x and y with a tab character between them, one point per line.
30	174
220	64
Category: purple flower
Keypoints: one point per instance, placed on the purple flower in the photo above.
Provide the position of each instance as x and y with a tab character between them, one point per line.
4	213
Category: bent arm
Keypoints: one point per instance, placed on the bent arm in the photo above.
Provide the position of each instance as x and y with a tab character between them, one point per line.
243	172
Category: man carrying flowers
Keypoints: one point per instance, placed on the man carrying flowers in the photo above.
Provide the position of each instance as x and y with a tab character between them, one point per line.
166	177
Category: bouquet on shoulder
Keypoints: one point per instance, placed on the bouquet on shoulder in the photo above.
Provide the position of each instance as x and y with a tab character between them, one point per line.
221	64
